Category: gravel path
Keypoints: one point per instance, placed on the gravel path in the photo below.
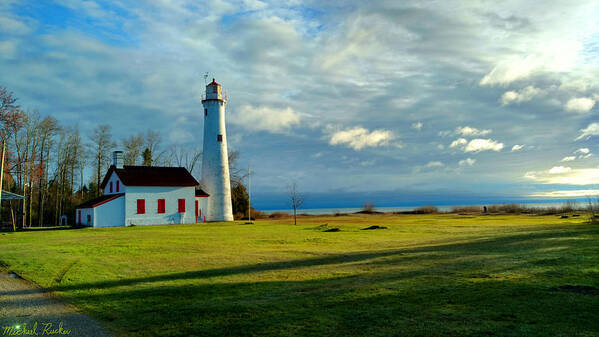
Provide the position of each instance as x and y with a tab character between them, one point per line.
23	305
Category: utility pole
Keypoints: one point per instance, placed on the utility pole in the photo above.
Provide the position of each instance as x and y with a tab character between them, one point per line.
2	176
249	195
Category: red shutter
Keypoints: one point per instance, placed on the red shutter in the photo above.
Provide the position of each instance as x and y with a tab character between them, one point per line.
161	206
197	207
111	187
117	185
181	205
141	206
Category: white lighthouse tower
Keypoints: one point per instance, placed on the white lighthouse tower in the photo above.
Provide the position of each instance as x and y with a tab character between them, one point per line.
215	163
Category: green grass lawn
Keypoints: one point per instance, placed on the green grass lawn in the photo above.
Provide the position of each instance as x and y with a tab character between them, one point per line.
426	275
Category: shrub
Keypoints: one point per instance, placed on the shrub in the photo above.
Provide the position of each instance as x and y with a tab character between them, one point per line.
368	207
426	210
466	209
279	215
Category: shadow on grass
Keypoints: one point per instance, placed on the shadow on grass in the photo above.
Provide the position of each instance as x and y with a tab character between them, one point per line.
467	289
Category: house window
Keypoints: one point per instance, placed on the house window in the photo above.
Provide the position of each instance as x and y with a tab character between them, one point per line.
111	187
117	185
205	112
141	206
161	206
219	138
181	208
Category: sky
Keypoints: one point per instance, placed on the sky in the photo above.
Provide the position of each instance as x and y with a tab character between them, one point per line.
395	102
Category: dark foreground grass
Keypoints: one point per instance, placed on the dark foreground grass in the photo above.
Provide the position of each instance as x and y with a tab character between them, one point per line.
426	275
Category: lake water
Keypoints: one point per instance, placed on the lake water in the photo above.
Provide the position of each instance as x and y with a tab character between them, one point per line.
445	208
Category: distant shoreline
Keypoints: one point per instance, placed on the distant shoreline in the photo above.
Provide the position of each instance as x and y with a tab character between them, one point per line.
441	208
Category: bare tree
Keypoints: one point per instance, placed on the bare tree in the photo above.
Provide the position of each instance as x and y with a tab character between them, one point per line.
154	155
296	199
102	144
133	149
11	120
47	130
182	156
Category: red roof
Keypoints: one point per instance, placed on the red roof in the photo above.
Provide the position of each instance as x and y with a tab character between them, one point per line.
100	200
151	176
213	83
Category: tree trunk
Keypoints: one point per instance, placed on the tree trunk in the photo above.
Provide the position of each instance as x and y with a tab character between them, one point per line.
294	215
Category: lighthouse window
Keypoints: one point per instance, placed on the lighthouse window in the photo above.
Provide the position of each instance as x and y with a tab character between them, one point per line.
219	138
205	112
214	88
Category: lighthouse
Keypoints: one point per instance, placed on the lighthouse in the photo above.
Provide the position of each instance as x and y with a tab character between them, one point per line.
215	162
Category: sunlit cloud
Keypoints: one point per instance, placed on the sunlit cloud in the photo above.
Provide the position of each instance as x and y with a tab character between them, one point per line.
523	95
566	194
434	164
467	162
580	105
559	169
265	118
467	131
458	142
565	176
477	145
358	138
517	147
589	131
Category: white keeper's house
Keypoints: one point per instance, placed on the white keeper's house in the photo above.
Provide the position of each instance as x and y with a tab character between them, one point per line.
149	195
144	195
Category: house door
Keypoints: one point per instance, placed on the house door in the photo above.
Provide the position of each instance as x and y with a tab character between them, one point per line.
79	217
89	219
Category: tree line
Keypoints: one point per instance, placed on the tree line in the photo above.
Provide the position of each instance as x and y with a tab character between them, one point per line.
45	161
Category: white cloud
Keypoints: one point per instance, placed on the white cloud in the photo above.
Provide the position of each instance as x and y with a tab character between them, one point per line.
8	49
265	118
254	4
434	164
517	147
565	194
580	105
477	145
359	137
458	142
524	95
559	169
568	158
556	55
565	176
417	126
470	131
467	162
591	130
582	150
8	24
